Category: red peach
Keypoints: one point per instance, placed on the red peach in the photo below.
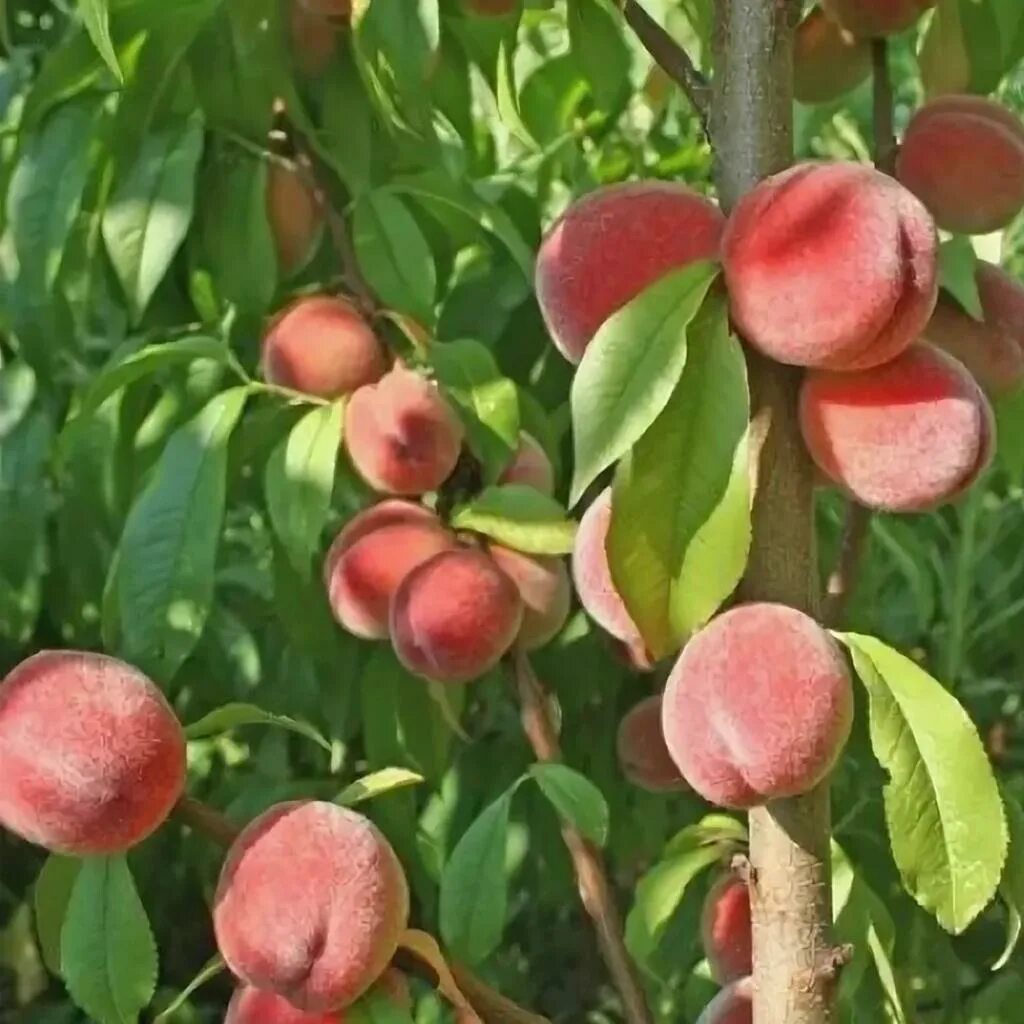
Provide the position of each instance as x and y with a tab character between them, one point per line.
870	18
733	1005
530	466
827	60
726	931
543	585
643	755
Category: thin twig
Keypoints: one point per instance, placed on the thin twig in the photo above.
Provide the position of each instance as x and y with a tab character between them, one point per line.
671	58
884	131
203	819
591	877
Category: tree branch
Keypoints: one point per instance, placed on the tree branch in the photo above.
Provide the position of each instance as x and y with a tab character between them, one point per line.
588	863
671	58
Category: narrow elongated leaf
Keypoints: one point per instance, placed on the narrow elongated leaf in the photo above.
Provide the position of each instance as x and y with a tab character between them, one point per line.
149	213
369	786
300	480
946	820
575	798
957	266
599	48
519	517
680	530
348	124
96	18
107	949
50	897
233	716
214	966
630	370
1012	884
169	546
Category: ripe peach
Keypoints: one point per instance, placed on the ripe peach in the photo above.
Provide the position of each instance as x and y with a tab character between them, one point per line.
402	435
372	555
830	265
643	756
294	214
758	706
904	437
611	245
321	345
1002	300
725	929
733	1005
454	616
531	466
963	156
870	18
593	577
92	757
313	37
310	905
827	59
543	585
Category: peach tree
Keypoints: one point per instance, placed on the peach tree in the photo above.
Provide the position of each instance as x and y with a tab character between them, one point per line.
511	511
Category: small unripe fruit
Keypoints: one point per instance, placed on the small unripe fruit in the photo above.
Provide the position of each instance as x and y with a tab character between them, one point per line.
530	466
643	757
904	437
831	266
1002	300
371	557
827	59
611	245
92	758
454	617
295	217
733	1005
322	346
543	585
726	930
758	707
872	18
310	905
402	435
963	157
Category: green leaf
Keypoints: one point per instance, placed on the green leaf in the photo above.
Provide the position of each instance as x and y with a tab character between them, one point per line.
369	786
214	966
507	93
519	517
946	821
1009	409
983	44
957	267
630	370
348	125
1012	884
95	15
300	481
50	897
234	716
487	401
107	948
599	47
378	1006
474	886
575	798
168	550
148	215
394	255
680	530
17	392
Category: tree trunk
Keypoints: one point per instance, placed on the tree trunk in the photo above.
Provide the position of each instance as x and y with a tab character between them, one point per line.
752	128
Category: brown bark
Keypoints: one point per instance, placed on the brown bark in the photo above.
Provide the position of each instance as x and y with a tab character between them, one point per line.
794	961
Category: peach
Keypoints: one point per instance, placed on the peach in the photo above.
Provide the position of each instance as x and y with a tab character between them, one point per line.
402	435
643	756
1002	300
455	616
904	437
733	1005
544	587
759	706
592	576
314	39
830	265
294	215
372	555
963	156
92	757
726	931
611	245
827	59
310	905
322	346
871	18
530	466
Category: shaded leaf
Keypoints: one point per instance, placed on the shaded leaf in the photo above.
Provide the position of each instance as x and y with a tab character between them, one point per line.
96	18
575	798
234	716
50	897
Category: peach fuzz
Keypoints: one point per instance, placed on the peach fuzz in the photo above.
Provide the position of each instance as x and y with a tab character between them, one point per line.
827	59
455	616
640	745
544	587
530	466
611	245
402	435
372	555
726	930
830	265
322	346
872	18
733	1005
592	577
759	706
963	156
904	437
92	758
310	905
